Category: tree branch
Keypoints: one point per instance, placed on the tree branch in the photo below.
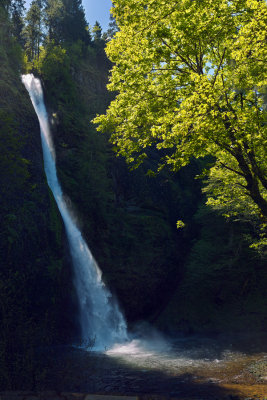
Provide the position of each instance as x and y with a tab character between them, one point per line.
189	63
231	169
255	168
219	67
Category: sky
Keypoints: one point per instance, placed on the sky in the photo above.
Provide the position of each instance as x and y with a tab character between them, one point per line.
95	10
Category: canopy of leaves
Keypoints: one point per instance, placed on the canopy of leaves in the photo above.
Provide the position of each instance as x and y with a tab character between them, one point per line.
191	78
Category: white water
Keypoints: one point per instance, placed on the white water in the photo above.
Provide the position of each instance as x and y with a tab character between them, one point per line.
100	318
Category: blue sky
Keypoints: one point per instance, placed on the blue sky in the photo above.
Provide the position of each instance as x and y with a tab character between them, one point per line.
96	10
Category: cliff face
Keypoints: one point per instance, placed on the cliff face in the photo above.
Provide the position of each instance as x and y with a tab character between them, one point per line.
199	279
128	219
35	288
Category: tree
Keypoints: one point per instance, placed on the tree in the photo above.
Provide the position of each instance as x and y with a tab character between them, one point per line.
53	16
13	11
33	30
65	22
97	31
17	12
5	4
190	77
112	28
74	26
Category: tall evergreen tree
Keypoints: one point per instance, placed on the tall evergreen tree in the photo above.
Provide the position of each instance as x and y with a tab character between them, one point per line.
5	4
4	23
54	15
112	27
75	26
17	11
97	31
65	21
33	30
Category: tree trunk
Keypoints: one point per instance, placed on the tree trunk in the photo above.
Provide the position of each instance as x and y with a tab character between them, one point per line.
252	183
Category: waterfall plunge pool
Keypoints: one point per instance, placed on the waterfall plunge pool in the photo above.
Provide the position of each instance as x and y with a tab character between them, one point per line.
192	367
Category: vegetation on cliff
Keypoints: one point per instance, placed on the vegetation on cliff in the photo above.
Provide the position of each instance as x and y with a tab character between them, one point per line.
33	271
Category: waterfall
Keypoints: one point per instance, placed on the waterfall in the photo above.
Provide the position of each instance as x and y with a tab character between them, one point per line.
100	318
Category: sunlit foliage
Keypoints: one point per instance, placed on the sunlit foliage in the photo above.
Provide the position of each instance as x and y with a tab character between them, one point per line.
191	78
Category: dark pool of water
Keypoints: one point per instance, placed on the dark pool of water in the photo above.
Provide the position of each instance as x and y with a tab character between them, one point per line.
196	367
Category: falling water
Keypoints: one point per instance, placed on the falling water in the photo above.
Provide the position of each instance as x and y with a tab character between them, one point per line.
100	317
